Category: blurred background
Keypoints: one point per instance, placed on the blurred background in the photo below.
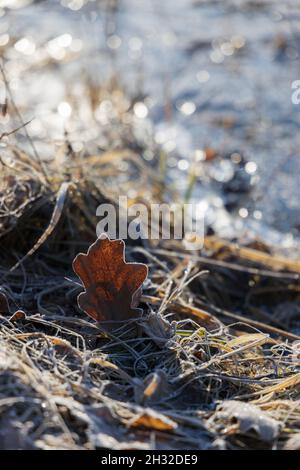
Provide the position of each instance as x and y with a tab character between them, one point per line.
203	86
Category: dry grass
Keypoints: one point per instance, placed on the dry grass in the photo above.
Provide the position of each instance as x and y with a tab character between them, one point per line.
163	381
218	326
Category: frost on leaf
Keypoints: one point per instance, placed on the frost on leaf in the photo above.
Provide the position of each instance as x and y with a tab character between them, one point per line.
112	286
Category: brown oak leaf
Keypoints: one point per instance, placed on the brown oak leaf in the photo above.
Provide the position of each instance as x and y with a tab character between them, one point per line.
112	286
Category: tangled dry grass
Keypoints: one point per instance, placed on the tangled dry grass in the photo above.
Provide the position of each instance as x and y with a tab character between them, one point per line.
212	363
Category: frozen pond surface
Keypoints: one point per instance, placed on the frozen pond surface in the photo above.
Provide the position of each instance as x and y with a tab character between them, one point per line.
207	74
